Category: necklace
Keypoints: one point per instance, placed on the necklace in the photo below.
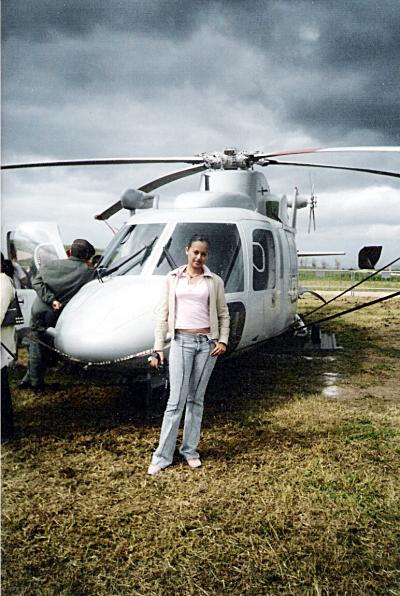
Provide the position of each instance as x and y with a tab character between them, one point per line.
191	275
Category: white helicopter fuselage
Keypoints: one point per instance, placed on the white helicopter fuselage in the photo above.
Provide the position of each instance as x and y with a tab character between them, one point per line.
112	319
252	247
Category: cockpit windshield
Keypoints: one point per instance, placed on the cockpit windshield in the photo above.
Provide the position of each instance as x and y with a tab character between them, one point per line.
130	249
225	255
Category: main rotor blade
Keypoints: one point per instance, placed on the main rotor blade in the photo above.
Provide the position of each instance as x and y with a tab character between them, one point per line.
371	149
171	177
273	162
104	162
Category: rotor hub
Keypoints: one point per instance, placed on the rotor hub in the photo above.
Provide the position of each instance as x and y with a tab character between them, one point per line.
229	159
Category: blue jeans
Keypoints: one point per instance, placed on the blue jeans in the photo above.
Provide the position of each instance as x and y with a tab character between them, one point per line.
190	368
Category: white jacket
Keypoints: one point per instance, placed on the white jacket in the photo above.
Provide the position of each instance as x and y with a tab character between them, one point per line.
7	333
219	313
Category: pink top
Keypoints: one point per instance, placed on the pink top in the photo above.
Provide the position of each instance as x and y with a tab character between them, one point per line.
192	310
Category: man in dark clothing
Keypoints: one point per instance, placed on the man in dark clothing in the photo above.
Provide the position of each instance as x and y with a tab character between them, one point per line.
55	284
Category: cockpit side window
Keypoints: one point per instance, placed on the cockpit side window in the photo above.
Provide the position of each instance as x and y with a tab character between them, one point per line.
225	255
131	248
264	260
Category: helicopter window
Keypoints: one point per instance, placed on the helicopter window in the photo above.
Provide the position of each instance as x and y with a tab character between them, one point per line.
21	256
28	255
225	256
131	240
264	260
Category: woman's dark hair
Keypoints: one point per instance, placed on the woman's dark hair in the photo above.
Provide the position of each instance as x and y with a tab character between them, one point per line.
7	267
198	238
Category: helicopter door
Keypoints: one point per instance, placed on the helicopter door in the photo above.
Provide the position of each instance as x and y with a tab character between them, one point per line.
264	279
30	245
293	268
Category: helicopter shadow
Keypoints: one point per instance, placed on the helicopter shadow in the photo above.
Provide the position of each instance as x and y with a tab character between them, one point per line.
240	386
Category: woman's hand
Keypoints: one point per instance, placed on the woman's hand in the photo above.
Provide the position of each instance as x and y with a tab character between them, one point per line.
154	362
219	349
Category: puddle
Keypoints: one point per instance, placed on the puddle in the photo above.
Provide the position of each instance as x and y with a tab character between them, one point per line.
330	377
324	358
329	380
332	391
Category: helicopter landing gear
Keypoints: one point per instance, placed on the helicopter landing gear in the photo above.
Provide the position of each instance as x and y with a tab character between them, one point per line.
316	335
142	399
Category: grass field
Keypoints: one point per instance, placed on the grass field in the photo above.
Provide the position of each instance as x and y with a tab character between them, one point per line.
298	493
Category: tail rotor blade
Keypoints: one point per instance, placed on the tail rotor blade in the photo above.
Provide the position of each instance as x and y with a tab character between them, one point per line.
313	204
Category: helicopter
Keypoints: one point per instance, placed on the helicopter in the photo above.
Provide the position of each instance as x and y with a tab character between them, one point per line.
110	322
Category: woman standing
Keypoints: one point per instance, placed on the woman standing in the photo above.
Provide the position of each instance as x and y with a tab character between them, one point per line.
194	311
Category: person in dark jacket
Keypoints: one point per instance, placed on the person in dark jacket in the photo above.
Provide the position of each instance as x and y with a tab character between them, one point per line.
55	284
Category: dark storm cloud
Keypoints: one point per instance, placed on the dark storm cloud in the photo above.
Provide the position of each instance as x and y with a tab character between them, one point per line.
359	45
87	78
342	60
40	19
328	67
375	114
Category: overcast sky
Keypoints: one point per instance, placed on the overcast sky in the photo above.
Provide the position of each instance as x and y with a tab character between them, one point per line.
119	78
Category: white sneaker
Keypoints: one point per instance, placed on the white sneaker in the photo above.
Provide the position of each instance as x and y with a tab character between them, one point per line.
194	463
153	469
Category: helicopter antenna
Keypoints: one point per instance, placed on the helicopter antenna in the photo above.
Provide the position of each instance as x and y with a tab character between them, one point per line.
313	204
113	230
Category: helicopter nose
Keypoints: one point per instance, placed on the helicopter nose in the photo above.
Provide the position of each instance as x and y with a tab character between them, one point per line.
111	320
